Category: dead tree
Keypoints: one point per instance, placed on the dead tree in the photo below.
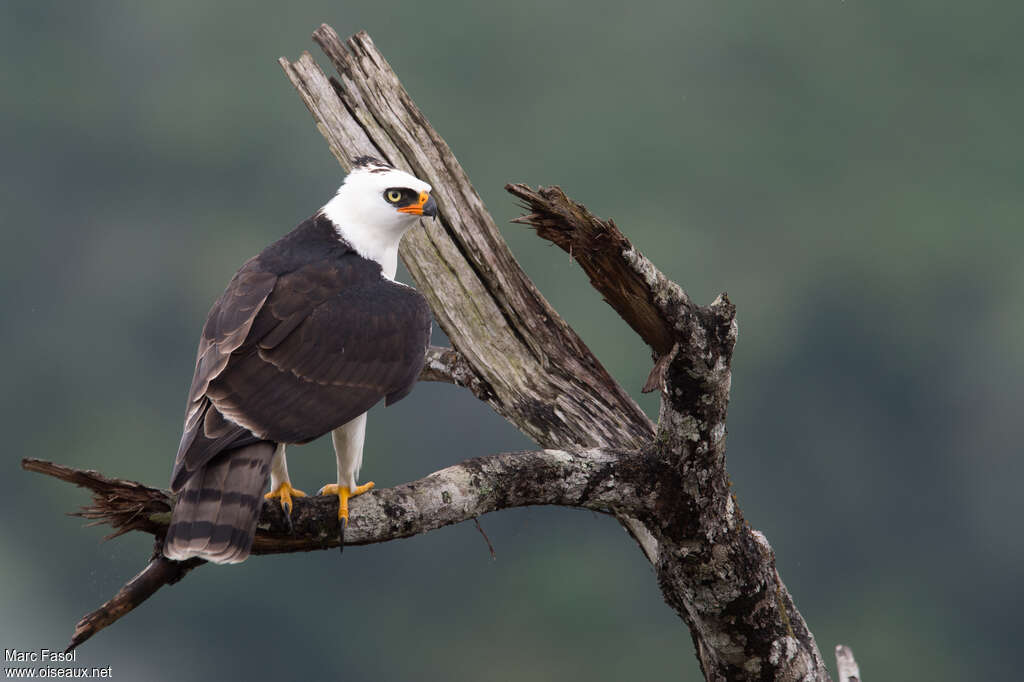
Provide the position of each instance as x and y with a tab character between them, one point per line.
666	483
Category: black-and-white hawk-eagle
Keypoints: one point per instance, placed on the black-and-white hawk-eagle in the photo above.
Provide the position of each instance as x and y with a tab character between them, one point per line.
307	337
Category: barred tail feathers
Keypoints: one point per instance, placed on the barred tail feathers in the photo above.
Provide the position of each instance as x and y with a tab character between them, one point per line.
217	510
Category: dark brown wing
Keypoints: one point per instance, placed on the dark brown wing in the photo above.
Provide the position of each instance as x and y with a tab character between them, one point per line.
288	357
365	343
227	329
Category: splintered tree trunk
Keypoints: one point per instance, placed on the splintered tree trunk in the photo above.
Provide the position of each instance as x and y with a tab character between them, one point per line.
667	484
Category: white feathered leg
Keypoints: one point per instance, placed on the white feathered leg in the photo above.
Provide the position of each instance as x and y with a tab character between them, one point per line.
280	485
279	468
348	449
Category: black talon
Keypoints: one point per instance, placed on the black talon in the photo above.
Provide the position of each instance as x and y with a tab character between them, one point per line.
288	519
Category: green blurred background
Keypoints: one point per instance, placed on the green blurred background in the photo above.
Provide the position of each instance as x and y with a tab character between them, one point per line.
850	172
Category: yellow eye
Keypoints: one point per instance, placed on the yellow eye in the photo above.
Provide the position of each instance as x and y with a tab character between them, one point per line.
394	196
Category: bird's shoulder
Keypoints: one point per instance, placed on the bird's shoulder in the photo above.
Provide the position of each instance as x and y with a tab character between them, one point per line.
314	242
301	269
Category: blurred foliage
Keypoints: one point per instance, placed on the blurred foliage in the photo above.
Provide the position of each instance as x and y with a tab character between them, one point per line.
850	172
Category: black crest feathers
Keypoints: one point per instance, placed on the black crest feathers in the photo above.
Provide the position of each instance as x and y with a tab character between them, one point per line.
372	162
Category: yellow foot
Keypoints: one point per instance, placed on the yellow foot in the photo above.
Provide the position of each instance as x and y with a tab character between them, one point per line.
343	492
285	492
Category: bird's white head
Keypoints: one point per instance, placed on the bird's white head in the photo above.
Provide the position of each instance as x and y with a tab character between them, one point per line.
375	207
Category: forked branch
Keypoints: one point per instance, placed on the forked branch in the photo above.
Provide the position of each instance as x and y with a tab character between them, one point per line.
667	485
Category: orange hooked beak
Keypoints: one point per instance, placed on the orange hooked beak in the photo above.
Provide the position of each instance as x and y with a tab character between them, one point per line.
424	206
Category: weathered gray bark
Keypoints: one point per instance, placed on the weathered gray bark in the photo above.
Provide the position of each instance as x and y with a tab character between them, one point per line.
847	667
716	572
667	484
452	495
713	569
543	378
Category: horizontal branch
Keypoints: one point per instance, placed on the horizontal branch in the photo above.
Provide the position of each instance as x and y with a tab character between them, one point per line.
123	505
458	493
